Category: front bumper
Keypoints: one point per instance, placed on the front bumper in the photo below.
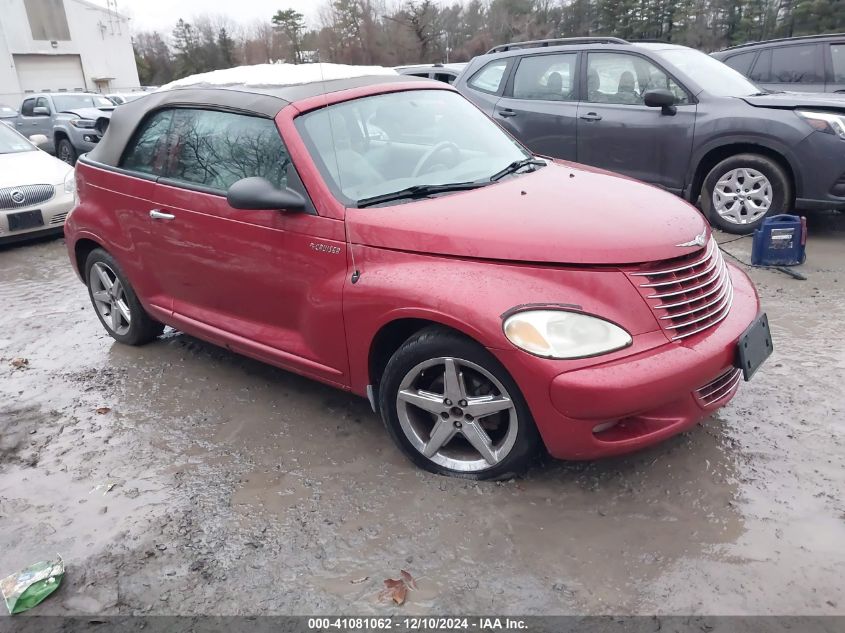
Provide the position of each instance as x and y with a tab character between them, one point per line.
632	402
821	183
54	212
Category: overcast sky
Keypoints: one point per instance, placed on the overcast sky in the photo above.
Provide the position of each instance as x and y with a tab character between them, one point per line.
162	14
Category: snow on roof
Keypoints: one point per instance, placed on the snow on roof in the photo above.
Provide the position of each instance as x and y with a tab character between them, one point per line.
264	75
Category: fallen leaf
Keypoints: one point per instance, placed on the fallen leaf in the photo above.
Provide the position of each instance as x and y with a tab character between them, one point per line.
19	363
103	410
358	581
409	579
395	590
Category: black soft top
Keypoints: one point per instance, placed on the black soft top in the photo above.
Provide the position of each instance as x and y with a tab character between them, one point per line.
263	101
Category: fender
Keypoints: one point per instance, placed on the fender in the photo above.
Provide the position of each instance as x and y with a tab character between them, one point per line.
770	143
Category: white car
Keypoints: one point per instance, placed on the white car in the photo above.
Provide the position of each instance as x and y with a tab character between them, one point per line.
37	191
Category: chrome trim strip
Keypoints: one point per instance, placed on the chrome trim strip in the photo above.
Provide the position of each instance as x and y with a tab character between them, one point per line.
714	261
724	288
722	391
727	310
717	288
708	253
677	326
691	288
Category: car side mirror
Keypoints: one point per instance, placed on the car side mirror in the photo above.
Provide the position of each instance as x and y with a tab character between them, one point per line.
40	111
39	139
259	193
661	98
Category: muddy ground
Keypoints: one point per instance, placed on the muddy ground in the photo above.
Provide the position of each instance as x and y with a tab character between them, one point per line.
242	489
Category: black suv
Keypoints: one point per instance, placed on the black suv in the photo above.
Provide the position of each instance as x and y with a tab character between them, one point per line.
671	116
815	63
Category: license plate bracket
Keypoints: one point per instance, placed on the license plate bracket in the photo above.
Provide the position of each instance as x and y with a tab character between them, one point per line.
754	346
25	220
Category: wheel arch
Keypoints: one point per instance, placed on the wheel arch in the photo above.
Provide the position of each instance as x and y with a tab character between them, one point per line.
58	135
392	334
715	155
81	250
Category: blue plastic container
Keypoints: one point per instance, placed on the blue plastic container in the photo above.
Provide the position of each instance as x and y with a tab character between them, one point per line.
780	241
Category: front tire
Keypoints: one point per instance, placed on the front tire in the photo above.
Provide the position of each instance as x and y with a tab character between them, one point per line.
742	190
66	152
116	303
453	409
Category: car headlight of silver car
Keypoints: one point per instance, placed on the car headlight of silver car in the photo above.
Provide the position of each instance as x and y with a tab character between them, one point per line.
85	124
827	122
562	334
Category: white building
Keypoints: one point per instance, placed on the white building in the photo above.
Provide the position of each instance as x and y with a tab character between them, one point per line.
63	45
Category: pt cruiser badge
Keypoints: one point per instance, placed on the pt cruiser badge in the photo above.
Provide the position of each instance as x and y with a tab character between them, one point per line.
698	240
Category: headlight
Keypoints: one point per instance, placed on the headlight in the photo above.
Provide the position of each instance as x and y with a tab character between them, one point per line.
85	124
827	122
70	182
561	334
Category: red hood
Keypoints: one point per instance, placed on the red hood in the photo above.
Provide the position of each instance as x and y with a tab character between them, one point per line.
563	213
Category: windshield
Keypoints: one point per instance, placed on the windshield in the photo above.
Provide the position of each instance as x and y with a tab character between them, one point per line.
11	142
386	143
74	102
715	77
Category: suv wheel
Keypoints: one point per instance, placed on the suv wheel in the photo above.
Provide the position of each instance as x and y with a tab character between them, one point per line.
742	190
453	409
116	303
66	151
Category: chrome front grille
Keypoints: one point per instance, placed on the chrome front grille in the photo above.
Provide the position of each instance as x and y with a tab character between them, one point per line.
718	389
688	294
25	196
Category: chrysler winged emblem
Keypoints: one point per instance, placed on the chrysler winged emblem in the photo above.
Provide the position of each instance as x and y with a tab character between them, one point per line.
698	240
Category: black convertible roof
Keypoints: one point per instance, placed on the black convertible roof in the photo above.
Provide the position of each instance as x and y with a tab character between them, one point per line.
264	101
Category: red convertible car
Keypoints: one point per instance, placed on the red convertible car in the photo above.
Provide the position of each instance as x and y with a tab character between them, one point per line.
382	235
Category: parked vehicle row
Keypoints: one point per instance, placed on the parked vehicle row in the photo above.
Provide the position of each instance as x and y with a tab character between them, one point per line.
380	234
670	116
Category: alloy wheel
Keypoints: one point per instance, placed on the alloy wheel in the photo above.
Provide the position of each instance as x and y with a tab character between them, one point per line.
110	298
457	414
742	196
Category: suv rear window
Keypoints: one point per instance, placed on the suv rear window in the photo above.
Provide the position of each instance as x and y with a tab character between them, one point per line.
489	78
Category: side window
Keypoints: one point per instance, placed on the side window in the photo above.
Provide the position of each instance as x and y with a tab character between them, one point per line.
445	78
27	107
624	79
762	67
42	102
796	64
547	77
742	62
489	78
216	149
147	152
837	54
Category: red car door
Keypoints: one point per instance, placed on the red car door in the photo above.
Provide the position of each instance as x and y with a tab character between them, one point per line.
267	283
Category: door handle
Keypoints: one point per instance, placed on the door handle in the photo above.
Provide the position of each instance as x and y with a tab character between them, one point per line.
506	113
590	116
157	214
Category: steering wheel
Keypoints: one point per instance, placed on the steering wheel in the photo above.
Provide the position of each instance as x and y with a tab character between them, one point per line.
428	157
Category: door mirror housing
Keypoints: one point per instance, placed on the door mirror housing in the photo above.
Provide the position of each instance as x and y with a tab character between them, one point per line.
39	139
660	98
40	111
259	193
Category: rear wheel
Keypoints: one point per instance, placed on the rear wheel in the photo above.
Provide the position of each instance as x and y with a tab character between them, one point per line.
116	303
66	151
453	409
742	190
